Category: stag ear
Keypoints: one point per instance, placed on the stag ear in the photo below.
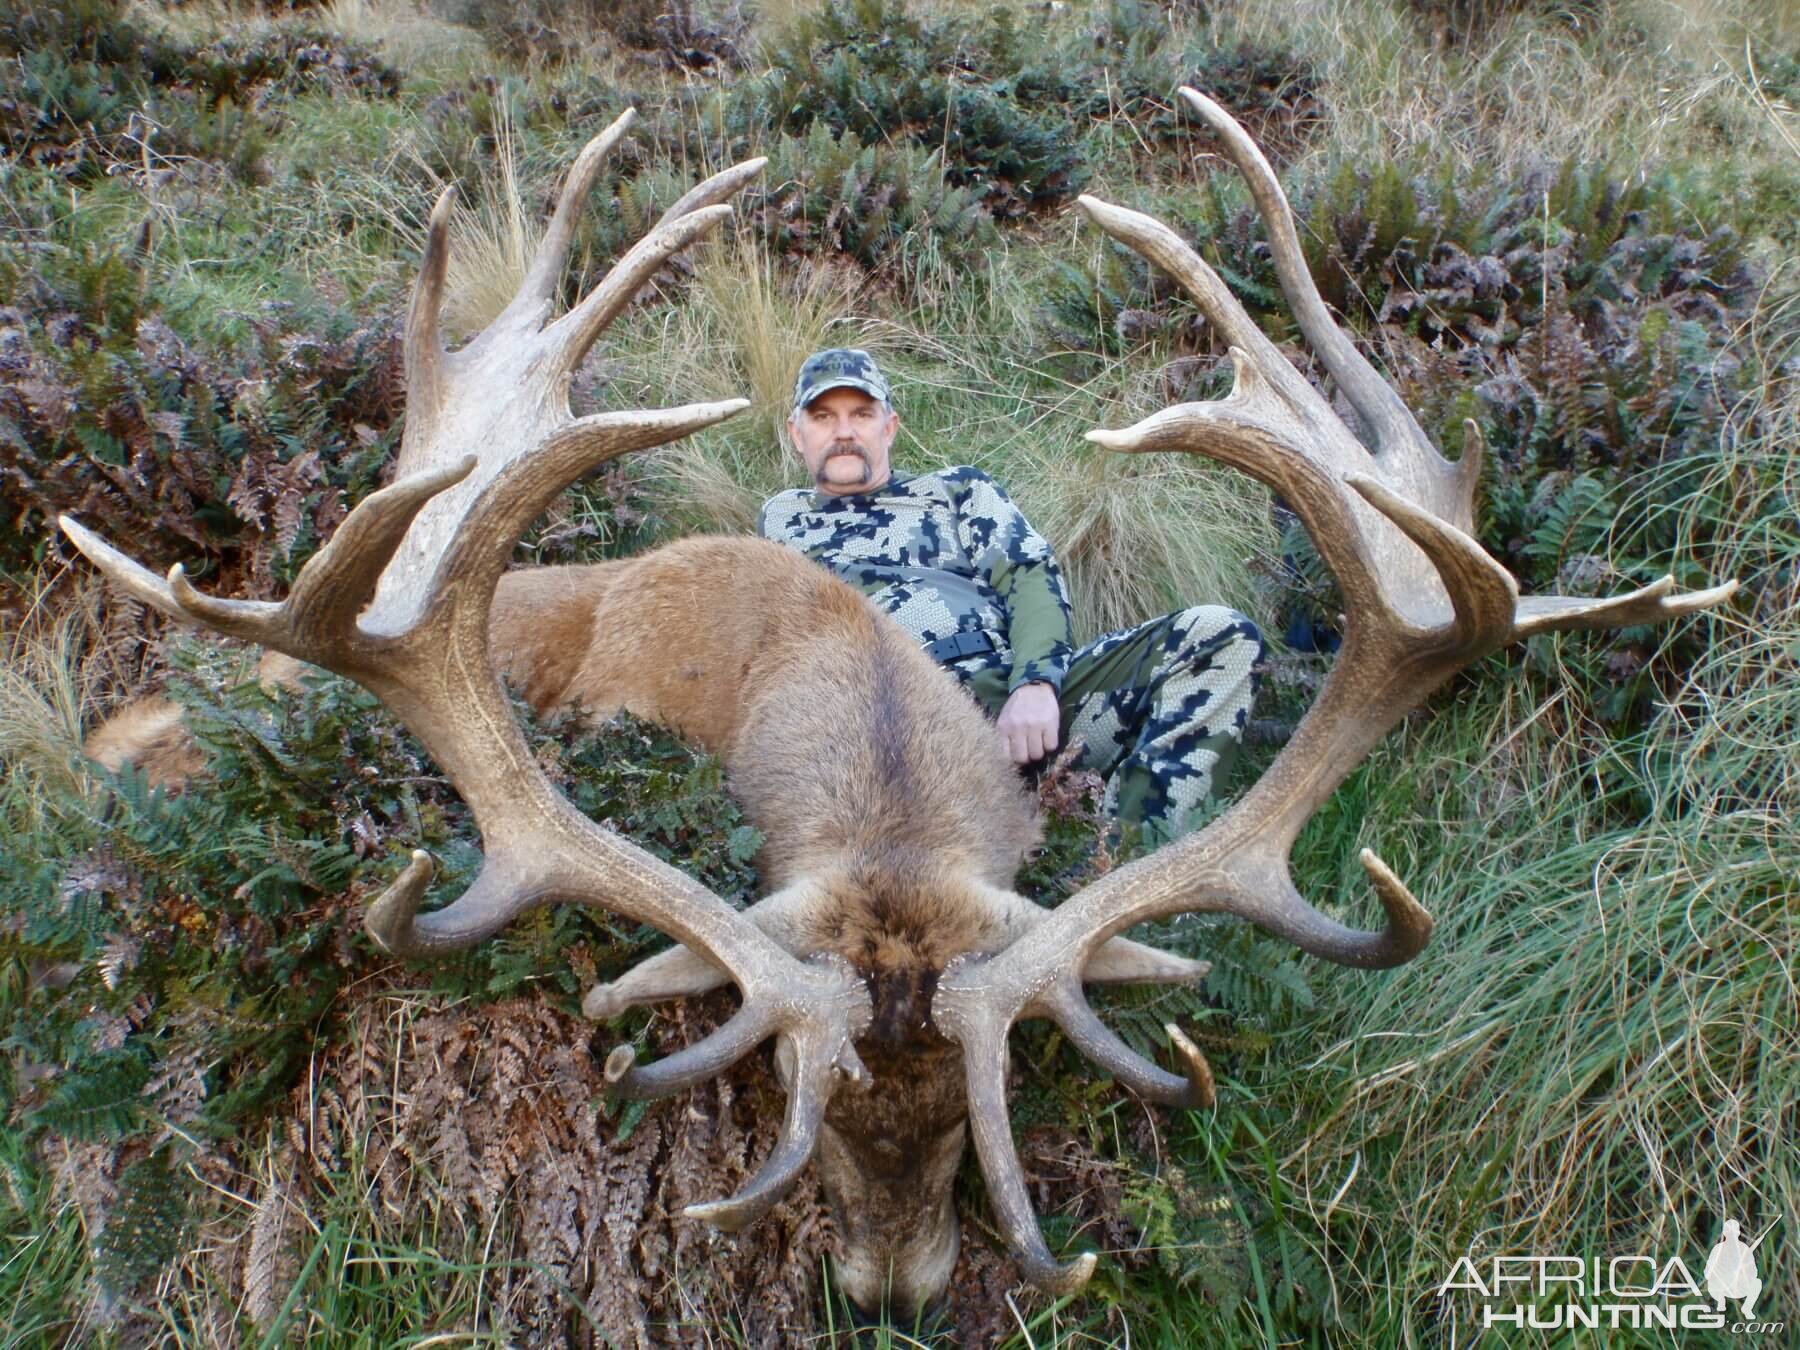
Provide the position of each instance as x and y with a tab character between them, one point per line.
1116	961
681	972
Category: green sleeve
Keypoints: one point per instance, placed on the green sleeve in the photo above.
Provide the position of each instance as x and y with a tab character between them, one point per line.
1022	572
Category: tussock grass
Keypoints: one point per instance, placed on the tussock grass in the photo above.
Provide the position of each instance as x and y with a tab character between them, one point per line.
56	669
773	317
491	241
406	34
202	20
1651	82
744	332
1136	538
1596	1055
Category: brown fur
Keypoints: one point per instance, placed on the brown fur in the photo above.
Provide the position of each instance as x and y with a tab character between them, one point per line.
873	779
149	733
865	767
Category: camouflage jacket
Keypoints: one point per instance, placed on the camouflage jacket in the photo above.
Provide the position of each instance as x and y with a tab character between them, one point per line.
944	553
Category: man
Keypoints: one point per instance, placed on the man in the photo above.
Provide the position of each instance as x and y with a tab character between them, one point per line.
1158	708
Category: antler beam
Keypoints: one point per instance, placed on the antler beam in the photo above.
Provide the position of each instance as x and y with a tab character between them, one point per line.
399	601
1393	521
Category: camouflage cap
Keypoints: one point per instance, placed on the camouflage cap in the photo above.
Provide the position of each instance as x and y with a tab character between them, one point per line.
840	368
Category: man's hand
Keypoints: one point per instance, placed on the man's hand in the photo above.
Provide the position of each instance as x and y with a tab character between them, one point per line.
1028	723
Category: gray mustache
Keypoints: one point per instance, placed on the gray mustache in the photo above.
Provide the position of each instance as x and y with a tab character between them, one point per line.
844	448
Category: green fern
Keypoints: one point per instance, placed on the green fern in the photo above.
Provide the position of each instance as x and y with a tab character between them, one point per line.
146	1225
1192	1233
1255	976
1573	516
101	1099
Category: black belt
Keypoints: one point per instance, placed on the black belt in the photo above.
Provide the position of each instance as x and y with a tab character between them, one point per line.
957	646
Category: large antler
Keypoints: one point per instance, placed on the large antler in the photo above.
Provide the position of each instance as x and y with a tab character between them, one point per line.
1393	520
489	442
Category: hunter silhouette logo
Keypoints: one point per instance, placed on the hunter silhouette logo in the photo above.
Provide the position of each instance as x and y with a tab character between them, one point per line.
1639	1291
1731	1271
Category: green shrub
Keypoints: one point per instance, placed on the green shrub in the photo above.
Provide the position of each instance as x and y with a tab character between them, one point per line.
1011	109
873	69
87	88
205	940
94	30
681	34
1576	317
836	195
241	464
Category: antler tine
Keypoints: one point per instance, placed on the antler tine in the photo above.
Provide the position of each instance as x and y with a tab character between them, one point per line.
318	617
129	575
818	1067
722	186
716	1052
495	441
794	1147
498	896
820	1061
539	287
1068	1007
707	1058
1654	603
983	1040
491	529
575	332
422	350
1423	600
1155	242
1483	595
1386	417
533	367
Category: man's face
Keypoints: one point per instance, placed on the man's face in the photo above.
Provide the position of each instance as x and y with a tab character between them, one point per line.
844	437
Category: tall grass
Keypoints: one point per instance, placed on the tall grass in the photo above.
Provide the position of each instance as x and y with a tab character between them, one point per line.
405	31
1135	537
65	658
1597	1054
491	241
1632	82
743	332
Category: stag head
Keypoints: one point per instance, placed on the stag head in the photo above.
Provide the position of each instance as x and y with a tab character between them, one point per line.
400	601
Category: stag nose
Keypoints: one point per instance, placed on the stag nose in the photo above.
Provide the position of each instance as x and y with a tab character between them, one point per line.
897	1227
932	1319
906	1284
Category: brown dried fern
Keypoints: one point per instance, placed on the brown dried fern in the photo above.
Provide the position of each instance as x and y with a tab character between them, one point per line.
270	1265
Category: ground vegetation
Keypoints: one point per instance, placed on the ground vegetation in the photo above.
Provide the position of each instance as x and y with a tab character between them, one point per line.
225	1119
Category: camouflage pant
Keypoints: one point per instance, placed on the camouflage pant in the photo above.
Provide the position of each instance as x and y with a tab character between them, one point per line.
1158	709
